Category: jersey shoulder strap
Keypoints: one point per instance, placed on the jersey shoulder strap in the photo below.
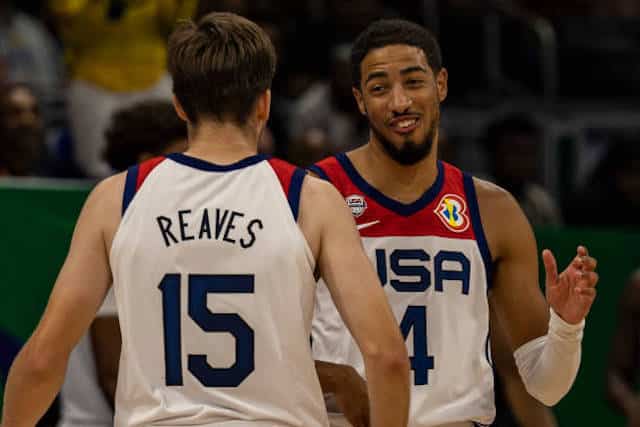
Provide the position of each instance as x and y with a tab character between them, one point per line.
136	175
291	178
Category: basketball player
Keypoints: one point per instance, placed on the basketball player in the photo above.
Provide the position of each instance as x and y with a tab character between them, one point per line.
446	247
136	133
213	276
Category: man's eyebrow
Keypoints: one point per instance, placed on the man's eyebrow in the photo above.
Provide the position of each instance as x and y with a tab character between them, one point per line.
375	75
415	68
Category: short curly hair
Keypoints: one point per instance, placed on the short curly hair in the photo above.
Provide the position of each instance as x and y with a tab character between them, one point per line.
147	127
386	32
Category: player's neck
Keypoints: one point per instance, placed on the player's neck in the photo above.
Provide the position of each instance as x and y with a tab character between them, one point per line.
221	143
404	183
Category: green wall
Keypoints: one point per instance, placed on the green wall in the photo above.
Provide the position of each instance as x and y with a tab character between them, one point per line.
37	223
618	256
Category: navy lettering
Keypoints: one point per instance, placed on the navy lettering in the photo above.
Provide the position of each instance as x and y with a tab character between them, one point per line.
165	226
381	264
461	275
220	221
205	227
248	244
423	282
231	226
184	224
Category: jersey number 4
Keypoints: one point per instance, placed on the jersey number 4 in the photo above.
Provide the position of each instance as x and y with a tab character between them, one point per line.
199	286
416	317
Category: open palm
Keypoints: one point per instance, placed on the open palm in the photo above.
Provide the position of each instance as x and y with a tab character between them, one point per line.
572	292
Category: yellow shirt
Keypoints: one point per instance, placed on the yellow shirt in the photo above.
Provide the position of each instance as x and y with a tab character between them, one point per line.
123	55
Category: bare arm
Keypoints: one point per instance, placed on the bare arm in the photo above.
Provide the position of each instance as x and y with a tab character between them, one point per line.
625	353
515	277
349	390
38	371
330	230
527	410
547	343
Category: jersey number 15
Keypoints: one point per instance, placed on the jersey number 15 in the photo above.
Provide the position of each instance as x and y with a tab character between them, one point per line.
199	286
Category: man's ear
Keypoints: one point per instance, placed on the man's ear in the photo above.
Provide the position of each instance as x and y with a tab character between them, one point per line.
179	110
263	106
442	83
359	100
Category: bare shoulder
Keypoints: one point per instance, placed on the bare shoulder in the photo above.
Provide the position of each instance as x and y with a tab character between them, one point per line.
320	205
109	192
320	192
492	195
502	218
103	207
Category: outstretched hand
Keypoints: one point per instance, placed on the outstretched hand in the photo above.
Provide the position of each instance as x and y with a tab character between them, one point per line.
572	292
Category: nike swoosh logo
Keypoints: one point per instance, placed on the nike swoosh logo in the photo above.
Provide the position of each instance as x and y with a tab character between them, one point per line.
367	224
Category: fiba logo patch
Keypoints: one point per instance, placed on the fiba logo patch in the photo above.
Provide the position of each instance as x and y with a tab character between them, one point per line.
357	204
452	212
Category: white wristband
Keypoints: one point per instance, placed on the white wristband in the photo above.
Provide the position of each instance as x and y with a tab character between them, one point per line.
549	364
562	330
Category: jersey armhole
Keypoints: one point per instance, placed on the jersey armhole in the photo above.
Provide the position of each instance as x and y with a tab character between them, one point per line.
129	187
295	188
136	175
320	172
476	222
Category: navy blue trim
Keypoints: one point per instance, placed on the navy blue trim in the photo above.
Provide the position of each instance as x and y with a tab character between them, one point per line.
486	351
212	167
294	191
481	239
320	172
129	187
391	204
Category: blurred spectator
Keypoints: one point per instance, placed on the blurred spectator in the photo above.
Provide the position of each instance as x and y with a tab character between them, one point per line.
239	7
612	194
22	144
514	146
325	119
346	19
29	54
146	129
116	51
624	360
142	131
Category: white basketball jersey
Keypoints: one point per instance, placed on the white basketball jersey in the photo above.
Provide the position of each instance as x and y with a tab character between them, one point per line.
432	259
215	292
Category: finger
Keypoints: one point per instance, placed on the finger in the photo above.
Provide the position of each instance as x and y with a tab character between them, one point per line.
582	250
589	279
586	292
550	267
589	263
577	262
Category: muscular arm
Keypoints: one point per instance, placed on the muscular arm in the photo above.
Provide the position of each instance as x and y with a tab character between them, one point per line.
624	358
38	371
547	348
515	275
356	291
527	410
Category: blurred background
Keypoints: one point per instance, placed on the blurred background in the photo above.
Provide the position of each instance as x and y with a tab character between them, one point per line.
544	99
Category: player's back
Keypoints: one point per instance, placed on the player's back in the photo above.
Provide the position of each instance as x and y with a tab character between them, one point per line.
432	259
215	290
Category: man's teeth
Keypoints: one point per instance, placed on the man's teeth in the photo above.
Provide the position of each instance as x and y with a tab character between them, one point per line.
406	123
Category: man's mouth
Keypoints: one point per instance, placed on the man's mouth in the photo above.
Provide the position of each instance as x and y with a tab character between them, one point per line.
405	124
